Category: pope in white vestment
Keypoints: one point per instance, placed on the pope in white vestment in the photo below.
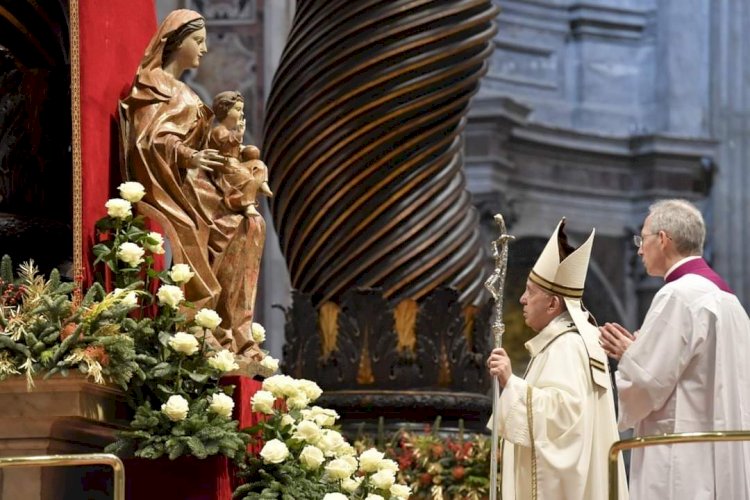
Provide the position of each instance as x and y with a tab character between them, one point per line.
687	370
558	422
573	421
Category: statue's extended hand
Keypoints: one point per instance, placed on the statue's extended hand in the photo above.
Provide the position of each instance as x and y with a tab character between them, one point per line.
207	159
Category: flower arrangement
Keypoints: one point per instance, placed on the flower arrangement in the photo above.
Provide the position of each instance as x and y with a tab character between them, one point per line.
304	456
129	329
180	407
438	467
42	332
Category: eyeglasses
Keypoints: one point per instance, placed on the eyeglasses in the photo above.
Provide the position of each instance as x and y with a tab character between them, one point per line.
638	239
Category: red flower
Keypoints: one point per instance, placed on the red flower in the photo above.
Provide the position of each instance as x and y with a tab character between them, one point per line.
97	353
425	479
458	472
68	330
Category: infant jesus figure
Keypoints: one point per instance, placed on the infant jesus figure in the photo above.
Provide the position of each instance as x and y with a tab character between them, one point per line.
246	175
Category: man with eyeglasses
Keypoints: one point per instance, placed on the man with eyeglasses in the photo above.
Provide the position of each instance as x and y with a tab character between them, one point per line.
687	369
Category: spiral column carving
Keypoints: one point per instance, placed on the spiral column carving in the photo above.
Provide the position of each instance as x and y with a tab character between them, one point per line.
362	139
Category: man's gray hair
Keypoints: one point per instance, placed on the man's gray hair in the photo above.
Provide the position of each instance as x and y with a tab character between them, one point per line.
682	222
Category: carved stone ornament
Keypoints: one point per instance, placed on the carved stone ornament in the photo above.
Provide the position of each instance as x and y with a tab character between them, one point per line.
410	361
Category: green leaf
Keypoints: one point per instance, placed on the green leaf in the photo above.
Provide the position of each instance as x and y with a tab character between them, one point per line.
162	370
176	448
101	250
198	377
196	447
164	338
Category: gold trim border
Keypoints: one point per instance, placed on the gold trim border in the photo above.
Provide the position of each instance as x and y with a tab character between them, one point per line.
565	291
75	460
75	108
642	442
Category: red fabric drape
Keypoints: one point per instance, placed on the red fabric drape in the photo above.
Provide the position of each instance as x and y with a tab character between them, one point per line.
186	478
113	36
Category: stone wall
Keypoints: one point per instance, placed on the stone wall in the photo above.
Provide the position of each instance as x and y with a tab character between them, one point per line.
593	110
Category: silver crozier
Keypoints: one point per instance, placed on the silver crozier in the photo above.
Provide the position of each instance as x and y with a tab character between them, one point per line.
495	284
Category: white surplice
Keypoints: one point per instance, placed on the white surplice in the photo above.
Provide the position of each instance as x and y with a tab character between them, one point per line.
573	415
689	371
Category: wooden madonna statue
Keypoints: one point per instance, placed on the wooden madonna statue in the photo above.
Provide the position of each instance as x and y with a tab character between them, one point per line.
202	195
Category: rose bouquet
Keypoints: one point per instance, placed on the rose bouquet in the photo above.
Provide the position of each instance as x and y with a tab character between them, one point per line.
180	407
305	457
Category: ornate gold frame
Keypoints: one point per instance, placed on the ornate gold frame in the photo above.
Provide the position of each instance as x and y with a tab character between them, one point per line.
75	112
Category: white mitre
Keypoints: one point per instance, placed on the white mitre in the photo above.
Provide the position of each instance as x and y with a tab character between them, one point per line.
562	270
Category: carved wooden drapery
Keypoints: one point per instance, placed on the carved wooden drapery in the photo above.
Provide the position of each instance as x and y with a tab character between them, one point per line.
362	137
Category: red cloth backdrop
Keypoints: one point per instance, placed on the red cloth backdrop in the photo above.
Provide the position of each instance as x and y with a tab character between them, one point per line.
113	36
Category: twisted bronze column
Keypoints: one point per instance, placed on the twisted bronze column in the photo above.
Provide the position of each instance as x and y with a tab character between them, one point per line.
362	137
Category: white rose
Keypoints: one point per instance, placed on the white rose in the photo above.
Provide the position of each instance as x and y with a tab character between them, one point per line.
270	363
383	479
351	460
310	388
297	402
400	491
128	299
158	246
335	496
221	404
258	333
370	459
389	465
346	450
181	273
117	208
274	452
339	469
373	496
324	417
308	431
263	402
351	484
184	343
130	253
288	421
132	191
170	295
223	361
311	457
207	318
281	385
176	408
331	442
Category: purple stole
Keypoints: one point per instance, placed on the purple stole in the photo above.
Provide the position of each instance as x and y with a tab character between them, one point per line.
701	268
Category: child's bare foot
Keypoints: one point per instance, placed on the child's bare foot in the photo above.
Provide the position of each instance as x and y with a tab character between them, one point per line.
264	189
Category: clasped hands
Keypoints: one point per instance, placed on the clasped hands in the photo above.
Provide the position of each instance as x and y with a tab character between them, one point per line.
615	339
